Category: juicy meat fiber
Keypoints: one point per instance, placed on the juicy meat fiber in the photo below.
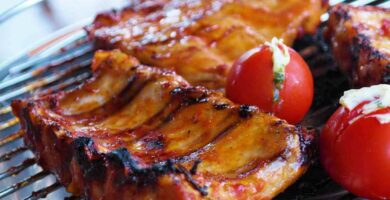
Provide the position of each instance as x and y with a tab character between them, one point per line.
200	39
134	132
360	37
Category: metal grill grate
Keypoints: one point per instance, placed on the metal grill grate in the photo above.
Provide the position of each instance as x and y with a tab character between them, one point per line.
64	65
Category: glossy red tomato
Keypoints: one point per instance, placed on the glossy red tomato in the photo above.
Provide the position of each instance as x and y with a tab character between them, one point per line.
251	81
356	153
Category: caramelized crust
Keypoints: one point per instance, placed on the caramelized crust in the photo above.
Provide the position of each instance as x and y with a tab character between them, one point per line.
200	39
135	132
360	38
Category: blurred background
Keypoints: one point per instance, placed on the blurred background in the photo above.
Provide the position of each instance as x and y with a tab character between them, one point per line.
24	23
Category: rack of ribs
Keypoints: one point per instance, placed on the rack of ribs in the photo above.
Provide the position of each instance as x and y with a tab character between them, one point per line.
136	132
360	38
200	39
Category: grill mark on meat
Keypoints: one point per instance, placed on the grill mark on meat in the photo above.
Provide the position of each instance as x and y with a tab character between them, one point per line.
164	115
185	99
190	95
221	106
246	111
194	184
255	165
116	103
195	154
194	167
248	169
170	116
152	124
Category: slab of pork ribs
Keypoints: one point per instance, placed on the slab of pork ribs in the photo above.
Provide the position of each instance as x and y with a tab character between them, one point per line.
360	38
200	39
136	132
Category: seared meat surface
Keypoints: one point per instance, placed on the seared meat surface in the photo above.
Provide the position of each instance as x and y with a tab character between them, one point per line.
360	38
135	132
200	39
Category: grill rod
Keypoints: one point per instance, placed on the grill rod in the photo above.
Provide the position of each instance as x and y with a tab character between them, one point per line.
10	138
44	81
14	152
36	72
42	193
24	183
9	123
17	169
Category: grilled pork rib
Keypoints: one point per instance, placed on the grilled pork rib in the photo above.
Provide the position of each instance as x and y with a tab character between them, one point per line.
135	132
200	39
360	37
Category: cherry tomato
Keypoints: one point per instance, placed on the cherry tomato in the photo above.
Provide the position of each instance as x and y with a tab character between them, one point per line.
251	81
356	151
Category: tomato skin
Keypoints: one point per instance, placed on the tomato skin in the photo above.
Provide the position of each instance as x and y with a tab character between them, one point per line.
357	155
250	81
297	93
